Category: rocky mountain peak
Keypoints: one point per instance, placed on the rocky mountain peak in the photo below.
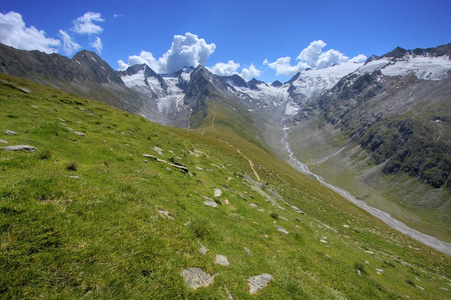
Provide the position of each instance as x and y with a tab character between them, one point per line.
235	80
253	84
398	52
276	83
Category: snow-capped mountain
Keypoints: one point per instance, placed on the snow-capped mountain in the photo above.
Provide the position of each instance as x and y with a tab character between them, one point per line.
163	93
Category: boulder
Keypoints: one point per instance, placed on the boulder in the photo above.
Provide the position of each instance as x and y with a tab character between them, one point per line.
150	156
281	229
202	249
3	142
211	203
196	278
217	192
181	168
10	132
222	260
257	283
25	148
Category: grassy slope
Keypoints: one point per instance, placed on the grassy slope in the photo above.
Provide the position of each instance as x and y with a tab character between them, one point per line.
80	217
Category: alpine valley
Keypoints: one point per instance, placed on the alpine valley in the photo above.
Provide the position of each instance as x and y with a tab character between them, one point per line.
113	204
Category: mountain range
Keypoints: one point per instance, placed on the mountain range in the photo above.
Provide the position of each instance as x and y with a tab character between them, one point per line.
386	118
211	194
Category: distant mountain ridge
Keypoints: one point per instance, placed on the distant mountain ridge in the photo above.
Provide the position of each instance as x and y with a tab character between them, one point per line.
394	106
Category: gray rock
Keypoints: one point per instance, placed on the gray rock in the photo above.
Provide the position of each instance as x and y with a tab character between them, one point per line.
257	283
297	210
24	90
179	167
222	260
10	132
217	192
158	150
202	249
3	142
247	251
79	133
19	147
150	156
196	278
211	203
281	229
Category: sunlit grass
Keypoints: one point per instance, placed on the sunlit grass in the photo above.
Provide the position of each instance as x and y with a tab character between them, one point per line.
90	216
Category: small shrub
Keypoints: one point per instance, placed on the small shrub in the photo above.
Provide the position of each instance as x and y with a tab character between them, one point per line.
274	215
201	229
360	267
45	154
410	282
72	166
12	116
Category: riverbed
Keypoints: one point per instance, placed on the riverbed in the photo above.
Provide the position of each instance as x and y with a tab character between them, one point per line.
428	240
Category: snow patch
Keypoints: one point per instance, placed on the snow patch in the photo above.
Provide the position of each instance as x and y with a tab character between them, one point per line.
137	79
426	68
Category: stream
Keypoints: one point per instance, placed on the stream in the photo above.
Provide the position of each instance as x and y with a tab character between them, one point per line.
428	240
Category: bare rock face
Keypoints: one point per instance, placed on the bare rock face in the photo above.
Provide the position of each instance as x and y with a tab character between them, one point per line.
257	283
196	278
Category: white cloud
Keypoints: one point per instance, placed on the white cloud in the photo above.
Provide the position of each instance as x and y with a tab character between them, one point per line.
283	66
187	50
144	57
69	45
97	44
85	25
225	69
121	65
312	57
13	32
249	73
231	67
358	59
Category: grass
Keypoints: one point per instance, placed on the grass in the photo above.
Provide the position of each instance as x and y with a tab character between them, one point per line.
98	231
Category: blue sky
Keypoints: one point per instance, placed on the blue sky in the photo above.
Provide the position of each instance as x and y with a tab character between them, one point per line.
257	38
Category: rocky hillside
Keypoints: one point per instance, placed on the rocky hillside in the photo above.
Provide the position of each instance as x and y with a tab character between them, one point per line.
396	108
86	74
100	203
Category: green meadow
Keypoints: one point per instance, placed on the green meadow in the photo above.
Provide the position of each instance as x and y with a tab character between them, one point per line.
87	215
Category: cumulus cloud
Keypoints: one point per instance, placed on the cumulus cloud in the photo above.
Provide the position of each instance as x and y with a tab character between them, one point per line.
13	32
359	58
144	57
69	45
122	66
97	44
225	69
187	50
251	72
85	25
231	67
312	57
283	66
